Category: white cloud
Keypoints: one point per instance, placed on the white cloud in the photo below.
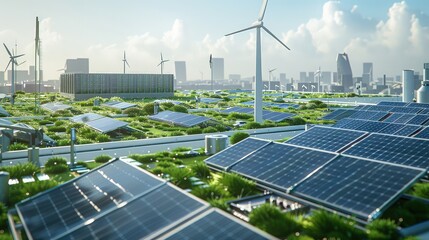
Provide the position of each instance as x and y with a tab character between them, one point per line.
47	34
173	37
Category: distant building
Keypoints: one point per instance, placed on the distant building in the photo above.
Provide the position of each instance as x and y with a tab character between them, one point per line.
345	75
1	77
82	86
79	65
311	77
326	78
20	75
303	76
367	74
218	69
334	77
234	77
180	67
282	78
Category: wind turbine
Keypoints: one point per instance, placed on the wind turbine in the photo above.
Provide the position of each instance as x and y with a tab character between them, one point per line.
211	69
125	61
14	63
319	76
162	64
269	77
258	78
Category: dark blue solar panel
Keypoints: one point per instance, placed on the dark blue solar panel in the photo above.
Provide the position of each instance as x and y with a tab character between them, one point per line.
391	128
357	187
352	124
407	130
395	149
369	115
234	153
393	104
339	114
216	225
380	108
141	217
404	118
372	126
393	117
51	214
177	118
418	105
359	107
324	138
423	133
424	111
281	165
419	119
238	109
406	110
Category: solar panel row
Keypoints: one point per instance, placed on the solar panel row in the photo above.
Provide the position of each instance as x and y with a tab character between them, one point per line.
119	105
177	118
99	122
53	107
266	115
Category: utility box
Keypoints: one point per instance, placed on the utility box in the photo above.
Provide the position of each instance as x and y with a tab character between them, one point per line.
33	156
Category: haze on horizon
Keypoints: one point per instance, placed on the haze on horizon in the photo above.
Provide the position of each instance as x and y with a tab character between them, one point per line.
394	35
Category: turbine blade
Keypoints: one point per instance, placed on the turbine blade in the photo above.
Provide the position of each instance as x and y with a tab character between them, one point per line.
7	65
159	64
242	30
166	60
22	63
262	11
18	56
161	58
210	60
127	63
7	49
274	36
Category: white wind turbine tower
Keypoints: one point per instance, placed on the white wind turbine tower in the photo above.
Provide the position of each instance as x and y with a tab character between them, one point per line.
162	64
269	77
14	63
319	76
258	78
125	61
211	70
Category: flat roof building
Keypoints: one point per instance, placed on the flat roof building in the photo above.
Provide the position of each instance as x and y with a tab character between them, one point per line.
82	86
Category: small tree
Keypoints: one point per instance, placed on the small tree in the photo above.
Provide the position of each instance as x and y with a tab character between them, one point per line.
238	136
381	229
148	108
201	170
133	112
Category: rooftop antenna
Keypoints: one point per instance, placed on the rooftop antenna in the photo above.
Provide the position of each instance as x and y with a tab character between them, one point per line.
14	63
258	80
162	64
36	58
269	77
211	69
125	61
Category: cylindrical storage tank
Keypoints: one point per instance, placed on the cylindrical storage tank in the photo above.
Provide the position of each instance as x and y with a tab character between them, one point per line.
4	187
423	92
216	143
407	85
425	71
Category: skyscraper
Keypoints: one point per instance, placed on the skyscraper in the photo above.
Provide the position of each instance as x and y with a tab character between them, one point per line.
345	75
180	67
218	69
367	75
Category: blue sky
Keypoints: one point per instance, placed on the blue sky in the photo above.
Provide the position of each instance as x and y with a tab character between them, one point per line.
392	34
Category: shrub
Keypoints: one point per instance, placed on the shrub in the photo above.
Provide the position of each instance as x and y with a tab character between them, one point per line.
20	170
56	169
148	108
270	219
53	161
201	170
209	193
63	142
57	129
382	229
21	191
252	125
325	225
181	149
177	133
298	121
139	135
59	123
421	190
418	209
127	138
165	164
102	158
178	108
17	146
180	177
133	112
209	130
194	130
238	136
3	217
102	138
44	122
238	186
144	158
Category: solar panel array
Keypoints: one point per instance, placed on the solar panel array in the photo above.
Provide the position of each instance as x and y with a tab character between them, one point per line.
266	115
210	100
339	114
54	106
98	122
178	118
120	201
358	167
273	104
119	105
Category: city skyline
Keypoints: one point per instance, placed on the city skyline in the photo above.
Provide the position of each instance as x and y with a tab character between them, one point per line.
391	34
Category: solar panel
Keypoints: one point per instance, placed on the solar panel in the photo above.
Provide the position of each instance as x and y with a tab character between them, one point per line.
407	130
380	108
266	115
423	133
351	123
54	106
339	114
106	124
238	110
369	115
229	156
418	105
395	149
325	138
177	118
393	117
210	100
215	224
372	126
87	117
5	122
424	111
391	128
61	209
406	109
119	105
393	104
404	118
281	165
357	187
359	107
419	119
141	217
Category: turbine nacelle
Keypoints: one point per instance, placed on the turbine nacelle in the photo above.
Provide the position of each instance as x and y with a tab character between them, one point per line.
257	24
